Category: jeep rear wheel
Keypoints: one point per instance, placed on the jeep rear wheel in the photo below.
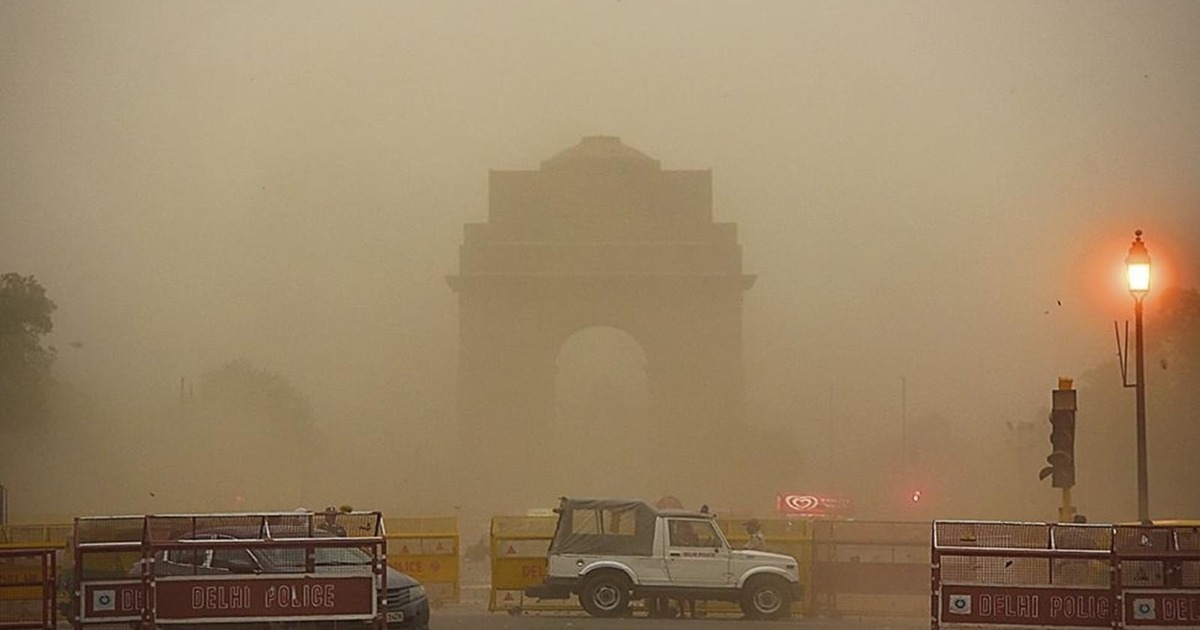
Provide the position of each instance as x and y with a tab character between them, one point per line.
605	594
766	598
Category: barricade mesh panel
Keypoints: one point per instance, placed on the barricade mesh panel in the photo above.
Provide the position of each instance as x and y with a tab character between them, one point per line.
108	529
1141	573
282	525
1082	573
995	570
993	535
1189	571
356	524
109	563
1087	537
1132	540
1191	574
1188	538
170	528
296	524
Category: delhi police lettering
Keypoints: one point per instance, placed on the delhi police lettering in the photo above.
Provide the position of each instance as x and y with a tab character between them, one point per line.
1081	607
1032	606
1020	606
284	596
132	599
306	596
1181	608
231	597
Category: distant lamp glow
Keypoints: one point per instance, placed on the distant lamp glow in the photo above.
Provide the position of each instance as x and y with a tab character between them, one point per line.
916	496
1137	266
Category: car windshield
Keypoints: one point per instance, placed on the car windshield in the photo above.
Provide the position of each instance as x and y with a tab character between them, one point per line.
324	556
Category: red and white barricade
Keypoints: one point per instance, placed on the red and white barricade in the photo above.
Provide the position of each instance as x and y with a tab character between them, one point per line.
1064	575
228	568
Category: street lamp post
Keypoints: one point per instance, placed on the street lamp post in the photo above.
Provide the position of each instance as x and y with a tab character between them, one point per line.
1137	266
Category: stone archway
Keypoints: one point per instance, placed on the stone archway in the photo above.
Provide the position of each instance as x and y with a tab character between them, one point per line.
600	235
601	390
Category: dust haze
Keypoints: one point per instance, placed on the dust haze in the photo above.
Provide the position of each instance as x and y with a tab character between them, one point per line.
936	199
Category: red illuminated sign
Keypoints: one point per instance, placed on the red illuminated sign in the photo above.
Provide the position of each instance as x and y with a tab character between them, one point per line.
813	505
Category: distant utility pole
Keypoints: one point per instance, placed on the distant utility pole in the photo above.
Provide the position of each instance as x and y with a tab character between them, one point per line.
904	425
830	456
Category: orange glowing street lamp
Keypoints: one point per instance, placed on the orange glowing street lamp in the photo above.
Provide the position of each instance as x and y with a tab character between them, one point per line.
1137	272
1137	267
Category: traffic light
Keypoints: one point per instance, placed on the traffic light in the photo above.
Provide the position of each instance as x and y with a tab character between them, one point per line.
1062	438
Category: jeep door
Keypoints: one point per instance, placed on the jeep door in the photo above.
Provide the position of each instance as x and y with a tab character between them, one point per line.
697	554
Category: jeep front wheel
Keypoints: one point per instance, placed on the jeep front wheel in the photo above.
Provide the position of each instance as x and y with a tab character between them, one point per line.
766	598
605	594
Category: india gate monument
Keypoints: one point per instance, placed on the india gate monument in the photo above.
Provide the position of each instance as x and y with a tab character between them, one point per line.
601	237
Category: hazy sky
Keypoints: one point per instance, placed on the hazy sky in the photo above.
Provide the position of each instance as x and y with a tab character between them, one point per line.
917	185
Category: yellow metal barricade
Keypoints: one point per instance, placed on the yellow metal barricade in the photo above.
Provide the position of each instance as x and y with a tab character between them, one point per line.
519	545
21	536
427	549
28	577
871	568
54	536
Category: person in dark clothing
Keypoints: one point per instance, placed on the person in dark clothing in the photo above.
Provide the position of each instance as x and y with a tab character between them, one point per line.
330	523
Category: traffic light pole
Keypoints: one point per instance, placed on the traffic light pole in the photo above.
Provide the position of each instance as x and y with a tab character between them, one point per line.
1066	511
1062	440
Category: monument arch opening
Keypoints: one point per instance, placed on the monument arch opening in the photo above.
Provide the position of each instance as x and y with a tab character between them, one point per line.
599	441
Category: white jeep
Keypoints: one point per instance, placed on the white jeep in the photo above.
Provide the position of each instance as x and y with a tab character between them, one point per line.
611	552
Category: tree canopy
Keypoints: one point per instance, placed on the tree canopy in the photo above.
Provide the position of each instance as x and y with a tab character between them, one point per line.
1177	341
238	389
25	318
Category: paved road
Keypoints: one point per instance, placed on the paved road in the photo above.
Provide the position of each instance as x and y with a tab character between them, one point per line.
462	617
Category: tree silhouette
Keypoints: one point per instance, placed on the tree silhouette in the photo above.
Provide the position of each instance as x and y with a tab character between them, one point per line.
25	312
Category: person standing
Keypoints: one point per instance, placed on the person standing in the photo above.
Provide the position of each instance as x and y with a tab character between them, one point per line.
330	523
757	540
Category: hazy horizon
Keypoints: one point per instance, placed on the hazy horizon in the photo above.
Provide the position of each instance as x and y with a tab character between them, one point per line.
939	193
